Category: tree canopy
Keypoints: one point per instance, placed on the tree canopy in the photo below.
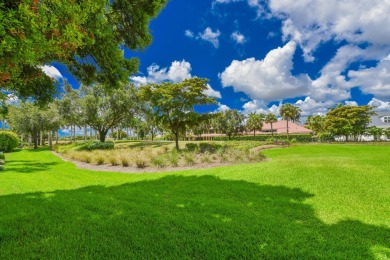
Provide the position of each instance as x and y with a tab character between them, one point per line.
290	113
87	36
254	122
173	103
229	122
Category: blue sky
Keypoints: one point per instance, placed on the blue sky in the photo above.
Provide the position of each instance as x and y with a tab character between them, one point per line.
261	54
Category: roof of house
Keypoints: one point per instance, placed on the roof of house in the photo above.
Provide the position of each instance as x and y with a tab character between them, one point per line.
281	127
378	119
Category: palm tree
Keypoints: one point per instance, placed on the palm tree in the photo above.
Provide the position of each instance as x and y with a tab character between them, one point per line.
290	112
270	119
254	122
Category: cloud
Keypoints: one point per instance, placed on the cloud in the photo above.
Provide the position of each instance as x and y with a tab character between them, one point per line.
222	107
351	103
310	106
210	36
12	99
177	72
375	80
379	104
310	23
207	35
52	72
189	34
212	93
268	79
238	37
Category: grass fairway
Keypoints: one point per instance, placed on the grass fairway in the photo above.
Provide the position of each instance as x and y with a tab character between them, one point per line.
309	201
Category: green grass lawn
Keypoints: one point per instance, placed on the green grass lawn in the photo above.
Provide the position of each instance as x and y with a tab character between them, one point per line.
308	201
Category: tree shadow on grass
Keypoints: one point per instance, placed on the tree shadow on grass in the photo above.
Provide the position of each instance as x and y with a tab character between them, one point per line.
27	166
180	217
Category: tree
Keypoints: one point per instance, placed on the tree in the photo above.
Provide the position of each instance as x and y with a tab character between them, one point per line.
270	119
229	122
376	132
173	103
290	112
254	122
316	123
86	36
30	119
104	109
348	120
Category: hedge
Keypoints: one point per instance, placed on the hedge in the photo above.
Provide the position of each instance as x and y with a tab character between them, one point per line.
89	146
299	138
8	141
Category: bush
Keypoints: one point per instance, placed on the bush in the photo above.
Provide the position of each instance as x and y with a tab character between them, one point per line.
326	137
192	147
2	156
209	147
8	141
1	167
140	161
158	162
2	161
189	159
173	159
96	146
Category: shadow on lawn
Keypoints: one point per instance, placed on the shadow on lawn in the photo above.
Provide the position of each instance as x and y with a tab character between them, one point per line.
179	217
27	166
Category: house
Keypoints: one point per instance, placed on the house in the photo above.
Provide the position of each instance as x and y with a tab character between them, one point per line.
381	120
279	127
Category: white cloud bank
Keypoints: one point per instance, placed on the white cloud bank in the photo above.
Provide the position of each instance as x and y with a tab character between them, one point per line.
52	72
207	35
178	71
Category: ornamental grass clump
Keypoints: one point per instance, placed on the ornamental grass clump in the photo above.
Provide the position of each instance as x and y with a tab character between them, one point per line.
189	159
173	159
124	160
158	161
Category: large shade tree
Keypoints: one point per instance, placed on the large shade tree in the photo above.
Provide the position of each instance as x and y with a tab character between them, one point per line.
104	109
30	119
349	121
87	36
290	113
173	103
229	122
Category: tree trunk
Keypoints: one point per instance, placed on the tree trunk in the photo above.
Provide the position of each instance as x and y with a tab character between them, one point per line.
254	133
40	138
57	134
3	124
287	131
85	133
102	135
177	140
49	137
35	140
272	130
152	134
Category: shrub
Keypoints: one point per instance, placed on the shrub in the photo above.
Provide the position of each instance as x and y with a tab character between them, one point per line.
192	147
189	159
86	158
99	159
173	159
89	146
209	147
299	137
206	158
2	156
124	161
8	141
1	167
326	137
2	161
158	162
113	160
140	161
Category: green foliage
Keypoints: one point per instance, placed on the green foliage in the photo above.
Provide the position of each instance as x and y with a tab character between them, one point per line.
209	147
270	119
326	137
173	158
95	145
2	167
8	141
254	122
173	103
348	120
192	147
229	122
2	155
376	132
189	159
2	161
316	123
290	113
302	138
86	36
158	161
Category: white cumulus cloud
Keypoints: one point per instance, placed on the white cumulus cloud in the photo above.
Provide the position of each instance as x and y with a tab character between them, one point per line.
52	72
238	37
268	79
379	104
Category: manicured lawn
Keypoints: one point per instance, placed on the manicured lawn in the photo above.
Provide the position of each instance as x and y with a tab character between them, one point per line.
309	201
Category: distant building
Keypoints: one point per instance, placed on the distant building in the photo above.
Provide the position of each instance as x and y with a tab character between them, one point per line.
381	120
279	127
